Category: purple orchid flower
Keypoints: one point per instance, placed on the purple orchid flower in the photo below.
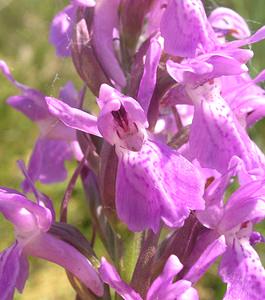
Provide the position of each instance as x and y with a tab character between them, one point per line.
153	182
62	26
231	235
56	142
162	287
215	125
32	222
193	39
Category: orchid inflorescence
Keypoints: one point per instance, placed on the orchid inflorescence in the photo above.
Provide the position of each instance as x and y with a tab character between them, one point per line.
175	102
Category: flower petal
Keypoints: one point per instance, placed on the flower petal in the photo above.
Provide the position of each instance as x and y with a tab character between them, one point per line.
110	276
31	106
25	215
186	30
13	271
73	117
69	95
256	37
6	72
163	286
31	103
206	259
52	249
246	204
155	183
243	272
215	125
47	161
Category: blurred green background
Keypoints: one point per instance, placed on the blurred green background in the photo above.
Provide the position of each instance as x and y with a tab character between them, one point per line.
24	27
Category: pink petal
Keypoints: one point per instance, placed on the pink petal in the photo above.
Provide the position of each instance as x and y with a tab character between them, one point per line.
110	276
155	183
73	117
186	30
243	272
50	248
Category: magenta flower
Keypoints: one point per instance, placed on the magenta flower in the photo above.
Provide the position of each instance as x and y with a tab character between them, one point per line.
231	234
153	181
206	59
32	222
193	38
56	142
162	287
215	125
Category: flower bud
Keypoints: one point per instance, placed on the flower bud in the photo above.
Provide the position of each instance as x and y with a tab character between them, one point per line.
83	55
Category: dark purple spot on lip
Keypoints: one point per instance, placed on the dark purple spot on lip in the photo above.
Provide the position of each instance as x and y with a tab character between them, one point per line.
120	116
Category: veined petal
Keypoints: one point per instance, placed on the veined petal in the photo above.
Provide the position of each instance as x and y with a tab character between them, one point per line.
243	272
73	117
110	276
156	183
186	30
52	249
215	125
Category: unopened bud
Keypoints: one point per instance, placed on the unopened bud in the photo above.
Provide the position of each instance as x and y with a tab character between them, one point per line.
83	55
